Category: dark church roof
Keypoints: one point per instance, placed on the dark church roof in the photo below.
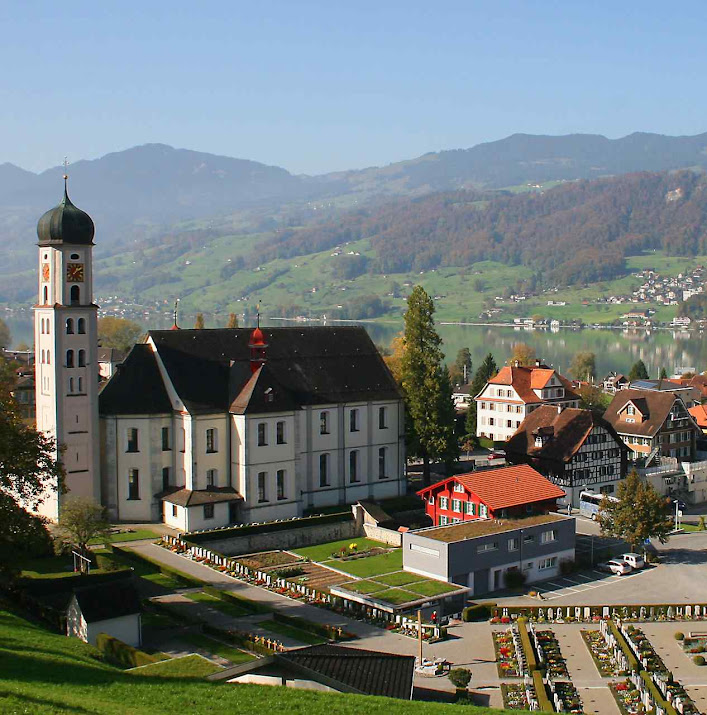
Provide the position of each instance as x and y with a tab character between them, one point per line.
65	223
352	670
197	497
210	370
108	600
136	388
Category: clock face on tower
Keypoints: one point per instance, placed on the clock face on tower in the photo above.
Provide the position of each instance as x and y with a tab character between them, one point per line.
45	272
74	272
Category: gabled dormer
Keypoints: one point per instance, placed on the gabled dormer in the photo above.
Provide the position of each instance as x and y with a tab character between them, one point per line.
634	413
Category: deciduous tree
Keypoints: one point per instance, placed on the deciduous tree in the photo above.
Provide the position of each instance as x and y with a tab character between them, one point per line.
460	678
394	357
460	372
485	372
232	320
81	521
118	333
199	322
639	514
583	365
5	336
523	354
426	386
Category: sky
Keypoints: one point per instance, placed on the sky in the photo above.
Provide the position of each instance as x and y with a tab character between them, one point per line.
317	86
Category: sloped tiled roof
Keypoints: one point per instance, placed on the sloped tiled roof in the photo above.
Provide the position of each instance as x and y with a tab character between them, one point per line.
196	497
263	393
699	412
526	379
505	487
569	429
651	403
136	387
314	365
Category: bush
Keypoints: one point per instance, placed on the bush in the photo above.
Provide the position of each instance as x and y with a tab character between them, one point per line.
701	525
105	563
679	636
120	653
513	578
698	660
460	678
478	612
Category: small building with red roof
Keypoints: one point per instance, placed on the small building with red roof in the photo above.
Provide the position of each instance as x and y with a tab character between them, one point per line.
508	492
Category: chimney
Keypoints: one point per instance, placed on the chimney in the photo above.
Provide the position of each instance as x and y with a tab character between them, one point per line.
538	362
560	408
516	363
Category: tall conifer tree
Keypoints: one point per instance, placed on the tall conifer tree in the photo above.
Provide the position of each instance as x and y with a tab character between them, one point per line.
426	386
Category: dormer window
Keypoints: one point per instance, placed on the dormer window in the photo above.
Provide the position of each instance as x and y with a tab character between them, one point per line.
630	410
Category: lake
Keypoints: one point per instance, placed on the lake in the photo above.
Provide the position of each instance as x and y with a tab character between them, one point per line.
614	349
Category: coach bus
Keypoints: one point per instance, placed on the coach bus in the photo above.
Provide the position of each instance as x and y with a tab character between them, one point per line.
590	504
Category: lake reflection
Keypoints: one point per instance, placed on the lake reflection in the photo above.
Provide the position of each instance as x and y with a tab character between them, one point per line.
615	349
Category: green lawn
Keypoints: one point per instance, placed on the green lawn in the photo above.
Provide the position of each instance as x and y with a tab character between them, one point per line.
45	673
364	586
432	588
396	596
284	629
227	607
400	578
323	552
144	569
216	647
372	565
190	666
137	535
53	567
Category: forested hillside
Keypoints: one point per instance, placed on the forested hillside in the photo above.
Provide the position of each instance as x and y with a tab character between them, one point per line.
578	232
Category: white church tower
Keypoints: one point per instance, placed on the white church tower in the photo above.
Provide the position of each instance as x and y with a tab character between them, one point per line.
66	345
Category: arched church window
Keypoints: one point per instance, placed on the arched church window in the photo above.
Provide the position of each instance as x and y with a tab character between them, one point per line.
80	384
69	358
43	357
75	295
46	295
69	326
41	326
82	326
71	384
82	358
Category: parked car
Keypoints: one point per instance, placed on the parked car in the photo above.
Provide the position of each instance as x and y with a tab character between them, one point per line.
497	454
615	566
635	561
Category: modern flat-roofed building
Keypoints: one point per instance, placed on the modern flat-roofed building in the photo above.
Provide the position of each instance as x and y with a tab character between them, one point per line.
478	554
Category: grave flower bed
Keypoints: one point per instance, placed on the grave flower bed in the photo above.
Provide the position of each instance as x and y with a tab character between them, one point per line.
601	653
692	646
644	651
627	697
569	697
551	654
514	696
506	660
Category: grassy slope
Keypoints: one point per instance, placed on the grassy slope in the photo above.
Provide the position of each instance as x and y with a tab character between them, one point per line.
201	288
47	673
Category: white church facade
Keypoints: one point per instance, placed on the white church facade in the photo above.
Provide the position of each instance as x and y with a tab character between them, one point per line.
204	428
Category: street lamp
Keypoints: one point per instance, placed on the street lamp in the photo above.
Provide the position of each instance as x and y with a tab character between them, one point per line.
677	512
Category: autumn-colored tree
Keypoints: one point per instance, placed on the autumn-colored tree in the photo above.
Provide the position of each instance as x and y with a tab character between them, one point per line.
232	320
118	333
199	322
639	514
583	365
5	336
394	357
522	354
81	521
426	387
592	398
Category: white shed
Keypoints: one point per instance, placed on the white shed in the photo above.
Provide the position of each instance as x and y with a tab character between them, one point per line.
112	608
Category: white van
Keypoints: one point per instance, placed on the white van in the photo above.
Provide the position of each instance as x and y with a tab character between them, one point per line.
635	561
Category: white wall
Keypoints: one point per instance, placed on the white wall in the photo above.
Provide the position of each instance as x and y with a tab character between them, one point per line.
195	517
125	628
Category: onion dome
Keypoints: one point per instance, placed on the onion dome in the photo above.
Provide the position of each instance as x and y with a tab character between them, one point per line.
257	339
65	224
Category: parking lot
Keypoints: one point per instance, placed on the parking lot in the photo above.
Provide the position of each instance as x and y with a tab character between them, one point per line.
582	581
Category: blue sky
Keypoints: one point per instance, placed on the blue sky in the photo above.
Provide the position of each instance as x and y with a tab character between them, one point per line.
318	86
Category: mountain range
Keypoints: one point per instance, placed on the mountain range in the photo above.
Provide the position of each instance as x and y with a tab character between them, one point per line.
142	194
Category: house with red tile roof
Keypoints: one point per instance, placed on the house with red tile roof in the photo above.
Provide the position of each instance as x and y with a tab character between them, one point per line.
511	395
699	414
509	492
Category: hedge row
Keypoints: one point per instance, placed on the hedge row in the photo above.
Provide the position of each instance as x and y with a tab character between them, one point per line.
478	612
541	693
528	649
318	629
120	653
229	532
50	586
246	604
632	660
657	695
162	568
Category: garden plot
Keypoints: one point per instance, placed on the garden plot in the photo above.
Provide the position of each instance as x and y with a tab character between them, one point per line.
313	575
268	560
